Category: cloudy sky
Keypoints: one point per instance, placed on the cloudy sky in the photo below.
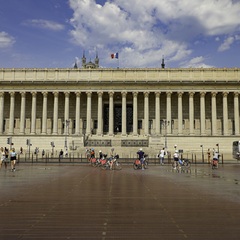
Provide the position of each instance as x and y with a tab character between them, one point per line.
55	33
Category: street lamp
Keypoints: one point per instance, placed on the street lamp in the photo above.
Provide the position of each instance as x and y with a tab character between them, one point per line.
66	134
52	145
217	147
202	153
165	123
28	143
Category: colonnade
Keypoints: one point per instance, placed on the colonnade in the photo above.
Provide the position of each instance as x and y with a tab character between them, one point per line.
124	94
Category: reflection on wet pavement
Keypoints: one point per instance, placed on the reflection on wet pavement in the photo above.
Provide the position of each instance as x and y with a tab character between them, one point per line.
81	202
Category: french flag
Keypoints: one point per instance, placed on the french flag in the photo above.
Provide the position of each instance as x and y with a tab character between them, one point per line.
114	55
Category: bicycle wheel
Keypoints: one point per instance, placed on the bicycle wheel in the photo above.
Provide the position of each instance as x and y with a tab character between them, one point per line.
187	164
104	166
135	166
117	166
145	166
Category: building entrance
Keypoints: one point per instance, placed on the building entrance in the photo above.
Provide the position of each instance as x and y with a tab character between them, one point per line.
117	118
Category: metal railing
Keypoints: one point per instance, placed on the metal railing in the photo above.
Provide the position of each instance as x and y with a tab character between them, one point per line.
78	158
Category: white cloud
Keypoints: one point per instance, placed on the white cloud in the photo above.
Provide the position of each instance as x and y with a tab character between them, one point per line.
152	28
226	44
45	24
6	40
196	62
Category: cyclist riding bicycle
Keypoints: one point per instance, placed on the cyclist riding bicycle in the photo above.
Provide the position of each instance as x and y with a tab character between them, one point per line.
141	157
215	158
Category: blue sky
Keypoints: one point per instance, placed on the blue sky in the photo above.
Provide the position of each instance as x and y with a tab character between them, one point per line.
54	33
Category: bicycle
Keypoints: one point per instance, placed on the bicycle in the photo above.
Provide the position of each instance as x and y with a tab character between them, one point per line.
214	164
181	164
138	165
112	164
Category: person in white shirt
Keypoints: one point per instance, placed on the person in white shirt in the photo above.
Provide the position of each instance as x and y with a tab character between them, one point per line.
161	156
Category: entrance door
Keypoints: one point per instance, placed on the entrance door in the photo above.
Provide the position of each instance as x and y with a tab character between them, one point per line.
117	118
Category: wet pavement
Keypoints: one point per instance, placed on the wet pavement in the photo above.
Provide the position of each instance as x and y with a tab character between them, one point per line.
82	202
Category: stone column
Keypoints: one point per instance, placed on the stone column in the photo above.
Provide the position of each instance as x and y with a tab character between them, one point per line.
66	112
110	131
157	112
135	114
44	113
180	114
146	113
23	113
236	113
169	113
191	113
214	114
202	113
89	112
33	113
77	113
1	111
11	114
225	114
124	113
100	114
55	113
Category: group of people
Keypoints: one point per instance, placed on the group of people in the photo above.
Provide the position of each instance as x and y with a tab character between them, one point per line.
91	156
4	158
214	156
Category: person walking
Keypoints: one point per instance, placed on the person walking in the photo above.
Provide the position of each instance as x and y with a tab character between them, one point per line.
13	159
209	156
61	154
2	158
43	153
161	156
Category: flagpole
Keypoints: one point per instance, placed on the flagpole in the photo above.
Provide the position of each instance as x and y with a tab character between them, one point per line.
118	59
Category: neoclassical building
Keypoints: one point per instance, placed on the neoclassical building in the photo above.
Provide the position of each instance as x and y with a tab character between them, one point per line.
122	109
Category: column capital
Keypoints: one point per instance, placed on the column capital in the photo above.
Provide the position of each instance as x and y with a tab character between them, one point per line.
124	93
111	93
169	94
157	94
66	94
23	94
12	94
146	94
202	94
78	94
214	94
1	94
55	93
135	94
236	94
89	94
44	94
225	94
100	93
180	94
34	94
191	94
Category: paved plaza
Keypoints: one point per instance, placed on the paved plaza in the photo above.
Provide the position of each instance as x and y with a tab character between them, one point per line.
77	201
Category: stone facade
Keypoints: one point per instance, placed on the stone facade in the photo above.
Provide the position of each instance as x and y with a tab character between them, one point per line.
122	109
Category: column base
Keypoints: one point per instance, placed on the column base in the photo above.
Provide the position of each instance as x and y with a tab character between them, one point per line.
135	135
